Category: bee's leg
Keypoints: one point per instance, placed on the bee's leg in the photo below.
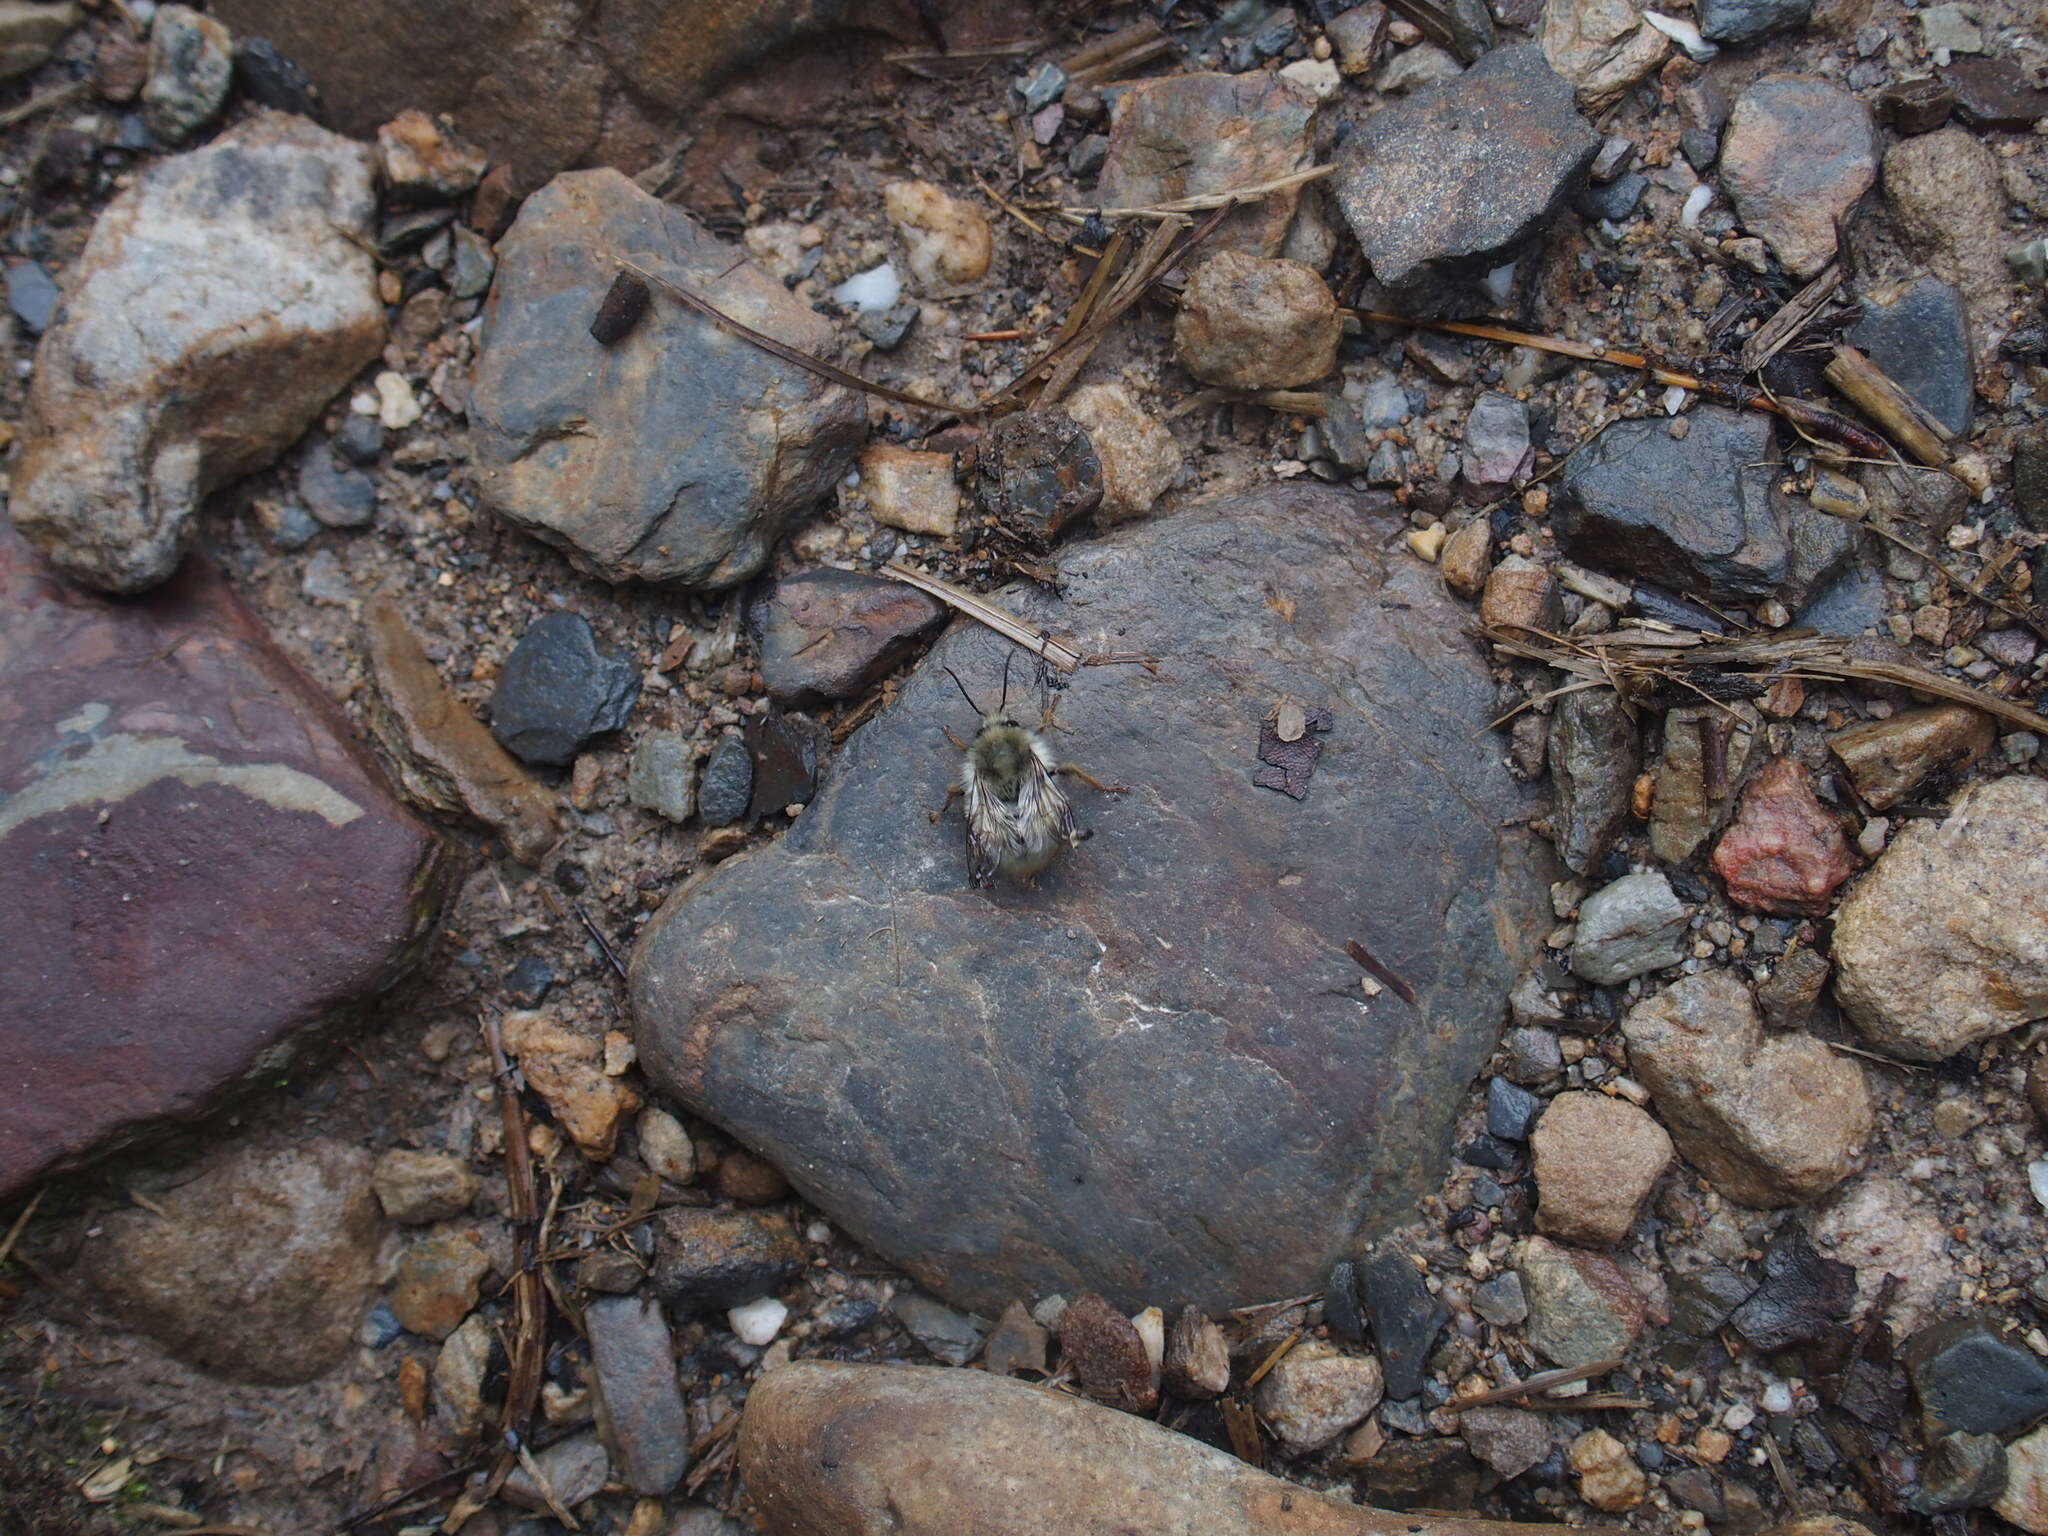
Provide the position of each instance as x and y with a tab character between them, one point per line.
953	741
1076	771
953	792
1045	719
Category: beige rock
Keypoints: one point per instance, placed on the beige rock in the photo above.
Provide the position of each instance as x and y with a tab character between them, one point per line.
949	240
1140	460
910	489
1601	46
1942	944
1609	1479
421	158
1596	1160
1770	1122
567	1070
420	1187
1945	198
30	30
924	1451
1884	1227
1467	558
2025	1500
257	1270
665	1147
251	257
1887	759
437	1283
1317	1392
1520	593
1255	322
459	1377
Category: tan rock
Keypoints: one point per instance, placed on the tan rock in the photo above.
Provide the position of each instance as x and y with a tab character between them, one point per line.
444	757
1520	593
1948	204
2025	1499
1882	1226
1940	945
1608	1477
1467	557
421	1187
567	1070
1770	1122
949	239
421	158
1140	460
437	1283
1601	46
1253	322
910	489
924	1451
1317	1392
1798	153
1887	759
1596	1161
1784	852
665	1147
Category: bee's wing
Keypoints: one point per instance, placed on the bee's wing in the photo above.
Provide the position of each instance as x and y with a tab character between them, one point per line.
1046	804
981	850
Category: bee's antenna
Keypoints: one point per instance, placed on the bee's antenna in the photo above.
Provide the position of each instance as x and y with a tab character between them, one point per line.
963	689
1008	657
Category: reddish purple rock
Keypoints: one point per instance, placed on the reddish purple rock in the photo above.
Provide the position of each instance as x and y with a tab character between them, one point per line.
1784	853
199	864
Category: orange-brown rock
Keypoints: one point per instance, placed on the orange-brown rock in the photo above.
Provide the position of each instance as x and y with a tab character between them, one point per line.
1784	853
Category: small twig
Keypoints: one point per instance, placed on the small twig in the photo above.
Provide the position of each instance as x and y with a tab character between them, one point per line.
1380	972
1797	312
21	1221
1202	202
1016	334
55	97
1296	402
1591	1402
1279	1353
529	1299
1037	641
544	1488
1542	1381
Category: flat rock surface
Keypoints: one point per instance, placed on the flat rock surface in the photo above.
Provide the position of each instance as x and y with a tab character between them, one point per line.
1941	945
1798	154
834	1450
221	302
1457	174
199	864
679	453
1087	1086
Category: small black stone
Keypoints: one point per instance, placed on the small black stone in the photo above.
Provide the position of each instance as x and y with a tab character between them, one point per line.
1971	1379
787	750
32	294
528	982
558	691
1489	1152
1510	1111
270	79
571	877
1405	1320
1616	200
886	329
1701	148
1341	1309
340	498
727	787
620	310
1962	1472
1922	339
359	438
1701	1303
1742	21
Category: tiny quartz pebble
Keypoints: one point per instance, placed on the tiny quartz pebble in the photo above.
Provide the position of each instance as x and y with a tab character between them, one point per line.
397	406
758	1321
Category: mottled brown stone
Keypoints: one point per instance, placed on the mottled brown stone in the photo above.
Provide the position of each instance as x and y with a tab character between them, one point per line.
200	867
1888	759
828	634
1784	852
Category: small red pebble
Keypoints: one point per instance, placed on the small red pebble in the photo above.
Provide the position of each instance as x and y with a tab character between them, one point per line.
1784	854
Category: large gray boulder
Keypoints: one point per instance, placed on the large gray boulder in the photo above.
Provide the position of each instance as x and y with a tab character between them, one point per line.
677	454
1157	1075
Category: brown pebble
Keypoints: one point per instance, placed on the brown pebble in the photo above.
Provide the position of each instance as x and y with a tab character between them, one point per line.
1197	1361
412	1387
2037	1087
1785	853
750	1180
1102	1348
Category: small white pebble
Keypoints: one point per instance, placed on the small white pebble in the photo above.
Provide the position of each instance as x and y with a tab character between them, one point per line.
871	291
1738	1418
397	406
1673	400
758	1321
1695	204
1777	1398
363	402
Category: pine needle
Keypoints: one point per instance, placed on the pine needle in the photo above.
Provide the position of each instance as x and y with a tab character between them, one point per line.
1037	641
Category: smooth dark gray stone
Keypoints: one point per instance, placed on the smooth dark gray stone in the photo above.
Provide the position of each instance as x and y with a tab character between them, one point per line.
1922	339
558	691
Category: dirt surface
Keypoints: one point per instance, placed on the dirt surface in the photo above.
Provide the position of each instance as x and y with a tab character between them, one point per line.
78	1392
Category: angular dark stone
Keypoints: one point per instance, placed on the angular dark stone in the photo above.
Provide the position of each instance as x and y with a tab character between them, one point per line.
727	788
1436	1473
1510	1110
951	1336
1971	1379
887	329
1489	1152
1457	175
829	634
1699	515
558	691
359	438
1962	1472
788	751
190	835
1995	93
1743	21
2030	476
707	1259
32	294
643	1400
1230	1147
529	981
1036	472
1342	1309
1615	200
1803	1294
1702	1302
1405	1318
679	454
1921	337
1594	757
270	79
1916	106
